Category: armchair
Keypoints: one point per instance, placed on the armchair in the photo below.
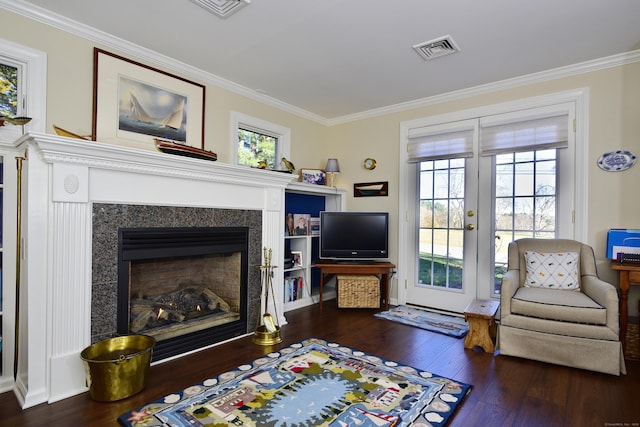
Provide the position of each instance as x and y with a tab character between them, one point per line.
543	321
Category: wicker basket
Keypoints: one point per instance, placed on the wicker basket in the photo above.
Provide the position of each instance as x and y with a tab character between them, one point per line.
358	291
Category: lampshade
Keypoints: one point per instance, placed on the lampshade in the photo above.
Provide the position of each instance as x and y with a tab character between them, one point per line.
332	165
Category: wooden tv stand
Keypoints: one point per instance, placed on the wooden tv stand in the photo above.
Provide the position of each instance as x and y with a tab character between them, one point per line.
332	268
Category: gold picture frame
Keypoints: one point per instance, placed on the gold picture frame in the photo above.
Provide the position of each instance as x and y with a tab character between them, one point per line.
133	104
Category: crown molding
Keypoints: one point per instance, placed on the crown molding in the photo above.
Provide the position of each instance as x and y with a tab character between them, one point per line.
140	53
553	74
46	17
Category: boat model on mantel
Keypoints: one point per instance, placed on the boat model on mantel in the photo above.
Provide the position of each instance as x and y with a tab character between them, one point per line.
172	147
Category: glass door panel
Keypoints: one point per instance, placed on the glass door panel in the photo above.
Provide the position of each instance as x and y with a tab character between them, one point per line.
443	239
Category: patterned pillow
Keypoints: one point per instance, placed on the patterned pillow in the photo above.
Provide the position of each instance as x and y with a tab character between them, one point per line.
552	270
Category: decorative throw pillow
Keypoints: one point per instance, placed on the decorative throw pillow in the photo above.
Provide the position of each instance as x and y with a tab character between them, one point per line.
552	270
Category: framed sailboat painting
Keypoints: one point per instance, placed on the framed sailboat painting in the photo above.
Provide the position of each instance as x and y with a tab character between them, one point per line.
135	104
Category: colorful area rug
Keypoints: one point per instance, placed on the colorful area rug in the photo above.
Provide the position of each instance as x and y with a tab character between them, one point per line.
311	383
423	319
632	349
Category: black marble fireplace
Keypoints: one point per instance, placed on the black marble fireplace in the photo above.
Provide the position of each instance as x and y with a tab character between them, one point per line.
159	244
184	286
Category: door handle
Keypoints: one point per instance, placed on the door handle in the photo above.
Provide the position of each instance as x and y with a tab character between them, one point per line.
470	227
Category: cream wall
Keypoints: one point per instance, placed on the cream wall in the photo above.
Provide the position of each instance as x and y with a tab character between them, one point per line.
614	116
70	93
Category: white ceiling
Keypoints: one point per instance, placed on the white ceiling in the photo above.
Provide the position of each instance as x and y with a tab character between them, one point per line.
335	58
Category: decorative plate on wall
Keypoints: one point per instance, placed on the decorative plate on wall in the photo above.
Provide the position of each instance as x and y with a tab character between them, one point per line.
616	161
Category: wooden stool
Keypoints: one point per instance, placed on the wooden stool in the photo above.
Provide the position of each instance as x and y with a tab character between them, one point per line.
480	316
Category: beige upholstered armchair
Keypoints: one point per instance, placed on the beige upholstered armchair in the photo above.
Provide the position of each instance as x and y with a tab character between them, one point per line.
555	309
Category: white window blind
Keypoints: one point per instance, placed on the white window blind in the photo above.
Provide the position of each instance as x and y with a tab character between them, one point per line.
450	141
503	135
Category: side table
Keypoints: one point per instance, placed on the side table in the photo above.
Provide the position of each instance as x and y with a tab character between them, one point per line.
629	274
480	314
384	269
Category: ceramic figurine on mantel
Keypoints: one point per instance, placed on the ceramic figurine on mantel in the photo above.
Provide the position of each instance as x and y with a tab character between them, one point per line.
287	163
268	329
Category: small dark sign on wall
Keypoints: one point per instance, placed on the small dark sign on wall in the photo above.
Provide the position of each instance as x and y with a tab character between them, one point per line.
371	189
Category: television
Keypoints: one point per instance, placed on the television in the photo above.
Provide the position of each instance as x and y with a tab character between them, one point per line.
354	236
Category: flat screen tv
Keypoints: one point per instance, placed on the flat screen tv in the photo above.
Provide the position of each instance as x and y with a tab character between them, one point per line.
354	235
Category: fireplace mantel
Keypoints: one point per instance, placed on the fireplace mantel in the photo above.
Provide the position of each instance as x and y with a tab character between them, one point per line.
78	153
62	178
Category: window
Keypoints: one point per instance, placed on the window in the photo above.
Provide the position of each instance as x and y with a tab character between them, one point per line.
258	143
475	180
525	203
8	89
23	81
255	148
441	224
525	148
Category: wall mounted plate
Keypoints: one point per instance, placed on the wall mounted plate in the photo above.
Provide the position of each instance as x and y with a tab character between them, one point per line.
616	161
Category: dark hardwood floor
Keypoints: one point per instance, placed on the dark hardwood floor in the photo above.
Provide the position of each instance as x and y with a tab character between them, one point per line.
506	391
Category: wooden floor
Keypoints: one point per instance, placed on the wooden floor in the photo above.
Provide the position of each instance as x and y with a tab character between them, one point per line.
506	391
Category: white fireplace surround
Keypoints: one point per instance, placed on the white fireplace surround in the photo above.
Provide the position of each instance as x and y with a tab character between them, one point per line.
62	178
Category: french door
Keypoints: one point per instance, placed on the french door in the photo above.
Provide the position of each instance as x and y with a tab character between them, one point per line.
447	244
464	209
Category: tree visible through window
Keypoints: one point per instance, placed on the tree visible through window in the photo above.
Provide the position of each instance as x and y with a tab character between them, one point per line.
8	90
257	149
525	202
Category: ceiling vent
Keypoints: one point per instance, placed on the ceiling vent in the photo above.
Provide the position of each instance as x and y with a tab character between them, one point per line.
222	8
435	48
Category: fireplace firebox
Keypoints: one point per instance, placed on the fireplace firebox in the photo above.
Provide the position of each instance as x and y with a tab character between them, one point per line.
186	287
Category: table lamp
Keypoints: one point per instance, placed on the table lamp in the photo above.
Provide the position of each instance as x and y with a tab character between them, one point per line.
332	169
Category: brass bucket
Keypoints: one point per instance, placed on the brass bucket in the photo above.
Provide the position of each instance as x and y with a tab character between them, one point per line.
262	336
118	367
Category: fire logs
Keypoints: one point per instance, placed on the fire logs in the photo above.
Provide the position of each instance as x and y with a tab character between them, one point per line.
148	312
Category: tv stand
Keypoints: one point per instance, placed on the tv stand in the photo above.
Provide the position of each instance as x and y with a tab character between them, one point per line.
354	261
331	268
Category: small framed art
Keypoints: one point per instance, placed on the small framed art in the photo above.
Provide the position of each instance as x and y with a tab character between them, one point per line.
301	224
371	189
313	176
297	258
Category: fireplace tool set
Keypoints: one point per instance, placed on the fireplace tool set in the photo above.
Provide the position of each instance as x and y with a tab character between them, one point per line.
268	329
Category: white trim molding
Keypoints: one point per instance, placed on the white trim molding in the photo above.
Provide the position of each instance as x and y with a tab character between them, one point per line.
48	18
64	178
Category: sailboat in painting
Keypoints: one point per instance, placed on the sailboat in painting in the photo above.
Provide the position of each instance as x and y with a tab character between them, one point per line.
136	119
174	119
137	112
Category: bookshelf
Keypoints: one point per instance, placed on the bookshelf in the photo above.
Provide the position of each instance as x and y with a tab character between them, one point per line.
301	285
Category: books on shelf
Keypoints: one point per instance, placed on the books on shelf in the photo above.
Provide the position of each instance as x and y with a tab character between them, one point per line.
314	226
293	288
